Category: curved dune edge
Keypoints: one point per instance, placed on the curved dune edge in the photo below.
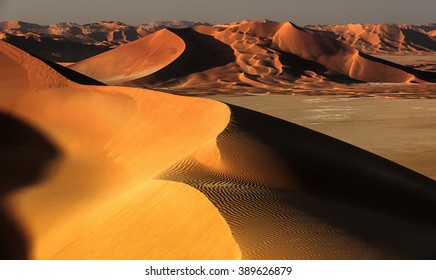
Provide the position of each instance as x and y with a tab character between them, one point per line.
252	56
97	199
288	192
25	71
134	60
97	150
158	220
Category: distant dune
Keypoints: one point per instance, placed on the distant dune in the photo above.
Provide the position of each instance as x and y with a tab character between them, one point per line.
135	60
71	42
257	54
110	172
383	38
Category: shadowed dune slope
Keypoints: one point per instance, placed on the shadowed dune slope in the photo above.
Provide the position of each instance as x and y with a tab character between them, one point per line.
288	192
79	166
54	49
382	38
134	60
260	54
21	70
339	57
125	173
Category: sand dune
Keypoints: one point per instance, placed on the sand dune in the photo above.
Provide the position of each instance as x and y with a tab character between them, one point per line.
72	42
135	60
126	173
247	55
100	148
289	192
382	38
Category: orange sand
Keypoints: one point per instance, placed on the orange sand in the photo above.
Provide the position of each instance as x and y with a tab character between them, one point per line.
106	172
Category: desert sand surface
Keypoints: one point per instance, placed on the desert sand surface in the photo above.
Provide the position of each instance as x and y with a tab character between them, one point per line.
79	166
113	172
256	57
383	38
68	41
402	130
421	62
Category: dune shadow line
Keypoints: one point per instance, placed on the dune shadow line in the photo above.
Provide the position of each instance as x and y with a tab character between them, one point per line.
203	52
24	155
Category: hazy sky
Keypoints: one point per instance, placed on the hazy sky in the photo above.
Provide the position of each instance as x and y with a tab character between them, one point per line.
220	11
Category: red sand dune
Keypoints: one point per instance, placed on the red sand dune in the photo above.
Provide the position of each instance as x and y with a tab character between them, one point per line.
135	60
107	172
72	42
259	54
78	168
383	38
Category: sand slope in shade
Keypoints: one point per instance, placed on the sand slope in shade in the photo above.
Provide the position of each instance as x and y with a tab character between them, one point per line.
99	148
264	55
282	191
289	192
382	38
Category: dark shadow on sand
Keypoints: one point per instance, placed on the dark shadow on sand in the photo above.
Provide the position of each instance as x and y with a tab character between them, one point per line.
24	154
371	197
203	52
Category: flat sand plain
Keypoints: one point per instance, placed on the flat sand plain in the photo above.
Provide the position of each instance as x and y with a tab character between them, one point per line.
402	130
421	62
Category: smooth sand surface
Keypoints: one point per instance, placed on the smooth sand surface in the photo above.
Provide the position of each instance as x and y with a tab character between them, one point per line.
383	38
79	164
132	61
402	130
105	172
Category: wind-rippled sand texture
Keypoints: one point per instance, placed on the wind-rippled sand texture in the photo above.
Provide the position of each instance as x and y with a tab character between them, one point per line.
79	165
104	172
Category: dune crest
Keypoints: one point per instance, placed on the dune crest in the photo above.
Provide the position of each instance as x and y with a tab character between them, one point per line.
94	195
135	60
250	55
26	72
382	38
107	172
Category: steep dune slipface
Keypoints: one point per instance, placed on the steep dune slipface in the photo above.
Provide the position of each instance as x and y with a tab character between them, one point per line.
82	162
249	56
336	56
20	70
134	60
382	38
288	192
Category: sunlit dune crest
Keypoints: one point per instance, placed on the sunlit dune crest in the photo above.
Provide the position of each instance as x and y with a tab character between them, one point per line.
94	195
135	60
383	38
263	55
114	172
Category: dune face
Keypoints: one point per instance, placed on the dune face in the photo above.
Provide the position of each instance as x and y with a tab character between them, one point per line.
71	42
54	49
129	173
289	192
337	57
93	193
382	38
135	60
259	55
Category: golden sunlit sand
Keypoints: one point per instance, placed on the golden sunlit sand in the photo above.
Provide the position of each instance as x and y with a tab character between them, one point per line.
94	195
112	172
